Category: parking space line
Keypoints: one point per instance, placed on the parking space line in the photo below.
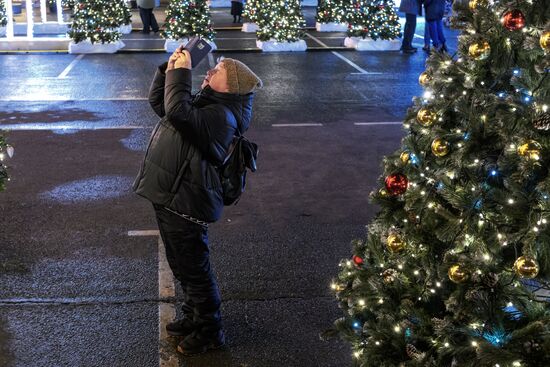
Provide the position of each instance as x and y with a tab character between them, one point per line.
295	125
44	127
73	63
378	123
166	310
348	61
65	99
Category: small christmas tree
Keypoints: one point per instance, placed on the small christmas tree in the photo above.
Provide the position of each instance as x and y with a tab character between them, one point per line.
374	19
187	19
3	16
252	9
122	13
452	271
333	11
281	21
97	21
5	151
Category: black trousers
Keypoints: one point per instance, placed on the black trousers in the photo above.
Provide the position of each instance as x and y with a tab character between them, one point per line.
188	255
408	34
149	20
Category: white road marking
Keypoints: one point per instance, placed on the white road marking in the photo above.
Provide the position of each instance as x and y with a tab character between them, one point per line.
43	127
348	61
65	72
152	232
295	125
378	123
67	99
167	311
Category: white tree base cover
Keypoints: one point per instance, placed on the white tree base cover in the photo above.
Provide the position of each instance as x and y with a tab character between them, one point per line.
87	47
125	29
331	27
2	31
171	45
368	44
276	46
249	28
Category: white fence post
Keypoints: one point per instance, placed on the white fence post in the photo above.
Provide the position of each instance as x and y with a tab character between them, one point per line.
30	18
59	12
9	14
43	14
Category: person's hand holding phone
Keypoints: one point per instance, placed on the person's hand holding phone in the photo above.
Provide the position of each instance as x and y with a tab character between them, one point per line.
184	59
172	60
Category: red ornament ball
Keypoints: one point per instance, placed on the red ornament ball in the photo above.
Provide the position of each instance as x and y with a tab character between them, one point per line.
397	184
357	260
513	20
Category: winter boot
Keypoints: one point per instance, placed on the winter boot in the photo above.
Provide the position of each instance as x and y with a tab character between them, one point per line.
183	327
201	341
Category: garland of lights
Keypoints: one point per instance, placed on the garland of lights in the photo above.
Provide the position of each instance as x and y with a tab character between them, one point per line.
281	21
333	11
3	16
98	20
374	19
185	19
449	271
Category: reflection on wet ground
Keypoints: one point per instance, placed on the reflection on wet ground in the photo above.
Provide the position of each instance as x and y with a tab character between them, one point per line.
53	115
91	189
137	140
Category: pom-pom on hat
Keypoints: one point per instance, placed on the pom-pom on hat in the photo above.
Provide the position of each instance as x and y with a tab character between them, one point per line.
240	79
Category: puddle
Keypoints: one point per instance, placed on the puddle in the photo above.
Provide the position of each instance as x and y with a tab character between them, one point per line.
91	189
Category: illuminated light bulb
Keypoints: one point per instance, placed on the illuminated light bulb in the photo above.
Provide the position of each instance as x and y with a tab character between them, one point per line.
397	329
446	345
400	267
377	343
432	290
381	301
357	354
361	302
416	272
438	284
516	364
486	257
474	344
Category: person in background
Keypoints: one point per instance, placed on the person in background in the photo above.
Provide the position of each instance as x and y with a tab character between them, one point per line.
411	8
237	10
435	10
426	38
147	16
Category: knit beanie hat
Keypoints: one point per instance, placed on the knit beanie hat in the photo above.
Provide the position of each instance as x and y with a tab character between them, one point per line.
240	79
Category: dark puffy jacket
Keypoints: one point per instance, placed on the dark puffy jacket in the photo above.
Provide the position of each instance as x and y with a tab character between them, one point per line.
192	138
435	9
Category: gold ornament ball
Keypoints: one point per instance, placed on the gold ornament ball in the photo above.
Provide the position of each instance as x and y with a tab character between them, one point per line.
458	274
545	41
479	50
526	267
426	117
424	78
476	4
405	156
440	147
530	149
395	243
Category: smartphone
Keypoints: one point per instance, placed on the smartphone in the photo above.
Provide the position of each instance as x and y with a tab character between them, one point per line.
198	48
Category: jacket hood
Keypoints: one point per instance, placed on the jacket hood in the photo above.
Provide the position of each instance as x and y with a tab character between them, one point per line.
240	105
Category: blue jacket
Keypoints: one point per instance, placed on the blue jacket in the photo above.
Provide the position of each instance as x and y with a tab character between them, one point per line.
435	9
411	7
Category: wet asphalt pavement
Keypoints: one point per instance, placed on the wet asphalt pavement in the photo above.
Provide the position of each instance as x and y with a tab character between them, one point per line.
76	290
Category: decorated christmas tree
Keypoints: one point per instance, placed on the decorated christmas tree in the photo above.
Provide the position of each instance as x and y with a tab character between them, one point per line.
122	13
98	20
455	267
3	17
188	18
281	21
5	151
374	19
252	9
333	11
